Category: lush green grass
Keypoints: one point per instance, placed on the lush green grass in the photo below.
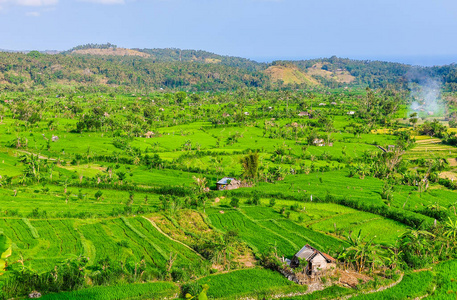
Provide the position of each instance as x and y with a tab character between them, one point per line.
249	282
118	239
332	292
155	290
336	183
446	281
409	198
384	231
339	220
76	223
52	199
9	164
262	234
413	285
270	219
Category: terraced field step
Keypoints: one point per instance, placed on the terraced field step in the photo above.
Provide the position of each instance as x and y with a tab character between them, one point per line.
52	240
169	237
429	141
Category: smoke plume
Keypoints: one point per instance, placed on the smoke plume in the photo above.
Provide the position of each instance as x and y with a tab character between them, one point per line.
425	95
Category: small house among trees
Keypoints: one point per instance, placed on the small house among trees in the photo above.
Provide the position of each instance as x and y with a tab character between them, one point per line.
228	183
317	261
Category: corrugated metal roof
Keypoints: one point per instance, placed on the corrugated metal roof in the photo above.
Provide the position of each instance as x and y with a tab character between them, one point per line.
225	180
308	253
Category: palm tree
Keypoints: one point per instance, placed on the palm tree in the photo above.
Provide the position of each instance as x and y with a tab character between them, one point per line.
362	252
450	229
415	240
453	207
392	257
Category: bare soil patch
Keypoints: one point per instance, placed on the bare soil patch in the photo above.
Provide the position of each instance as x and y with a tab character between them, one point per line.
112	51
352	279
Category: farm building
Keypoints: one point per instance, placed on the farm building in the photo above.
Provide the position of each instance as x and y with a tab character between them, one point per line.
318	262
321	143
303	114
148	134
351	112
228	183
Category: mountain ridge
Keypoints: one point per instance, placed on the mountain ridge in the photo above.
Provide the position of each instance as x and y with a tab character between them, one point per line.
198	70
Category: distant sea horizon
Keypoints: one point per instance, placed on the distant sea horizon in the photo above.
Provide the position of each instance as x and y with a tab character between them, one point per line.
416	60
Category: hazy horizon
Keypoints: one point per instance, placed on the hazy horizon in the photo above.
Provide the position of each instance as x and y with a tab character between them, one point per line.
425	60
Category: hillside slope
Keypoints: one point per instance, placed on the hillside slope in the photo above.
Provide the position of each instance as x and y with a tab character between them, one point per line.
111	51
196	70
19	71
289	75
338	74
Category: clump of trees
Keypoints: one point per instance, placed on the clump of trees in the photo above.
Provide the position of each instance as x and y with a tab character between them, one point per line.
250	164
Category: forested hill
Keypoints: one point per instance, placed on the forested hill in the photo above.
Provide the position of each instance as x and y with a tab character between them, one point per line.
334	70
99	65
18	71
176	55
171	54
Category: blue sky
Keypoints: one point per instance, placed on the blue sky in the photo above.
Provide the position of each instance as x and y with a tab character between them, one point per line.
403	30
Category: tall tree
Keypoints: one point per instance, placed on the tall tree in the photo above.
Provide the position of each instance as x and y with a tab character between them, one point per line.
250	164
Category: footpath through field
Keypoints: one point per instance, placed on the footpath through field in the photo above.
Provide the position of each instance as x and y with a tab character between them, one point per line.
160	230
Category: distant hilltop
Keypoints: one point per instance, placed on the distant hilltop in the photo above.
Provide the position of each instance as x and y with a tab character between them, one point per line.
198	70
28	51
111	51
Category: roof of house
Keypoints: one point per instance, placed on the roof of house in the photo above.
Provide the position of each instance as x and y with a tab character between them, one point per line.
308	253
225	180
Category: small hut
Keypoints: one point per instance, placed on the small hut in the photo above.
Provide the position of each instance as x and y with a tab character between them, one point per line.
318	261
227	183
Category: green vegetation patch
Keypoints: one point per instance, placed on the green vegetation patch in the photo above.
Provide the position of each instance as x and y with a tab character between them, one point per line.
413	285
154	290
446	281
249	282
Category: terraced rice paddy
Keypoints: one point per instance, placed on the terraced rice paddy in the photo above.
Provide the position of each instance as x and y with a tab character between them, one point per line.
261	283
53	240
156	290
430	148
263	234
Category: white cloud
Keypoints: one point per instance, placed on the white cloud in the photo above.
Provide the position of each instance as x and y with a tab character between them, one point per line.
40	5
36	2
32	14
29	2
105	1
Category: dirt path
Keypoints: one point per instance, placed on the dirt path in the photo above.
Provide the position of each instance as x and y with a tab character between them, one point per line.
319	286
160	230
39	155
383	288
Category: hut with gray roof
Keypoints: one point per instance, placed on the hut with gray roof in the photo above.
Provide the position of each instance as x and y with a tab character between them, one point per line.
317	261
228	183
